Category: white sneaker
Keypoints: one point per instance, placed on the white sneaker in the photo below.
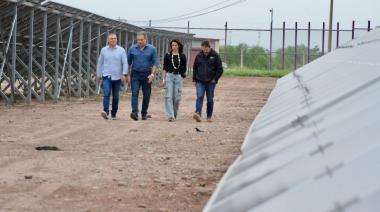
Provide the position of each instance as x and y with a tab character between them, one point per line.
197	117
104	115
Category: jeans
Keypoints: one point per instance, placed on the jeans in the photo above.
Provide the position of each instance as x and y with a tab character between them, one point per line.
108	87
209	89
140	79
173	94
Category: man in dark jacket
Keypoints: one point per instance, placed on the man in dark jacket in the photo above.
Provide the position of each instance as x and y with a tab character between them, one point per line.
206	72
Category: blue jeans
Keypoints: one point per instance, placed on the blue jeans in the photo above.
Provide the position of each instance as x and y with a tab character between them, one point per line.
108	87
140	80
209	89
173	94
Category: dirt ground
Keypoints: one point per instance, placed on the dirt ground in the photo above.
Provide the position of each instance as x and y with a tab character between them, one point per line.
123	165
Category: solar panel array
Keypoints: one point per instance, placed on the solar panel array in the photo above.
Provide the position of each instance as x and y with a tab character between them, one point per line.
315	146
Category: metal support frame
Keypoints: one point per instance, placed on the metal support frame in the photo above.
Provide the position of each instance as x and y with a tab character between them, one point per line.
80	60
40	60
89	51
68	54
30	68
57	64
43	62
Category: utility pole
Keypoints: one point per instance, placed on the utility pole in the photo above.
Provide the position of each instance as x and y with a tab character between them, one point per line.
331	23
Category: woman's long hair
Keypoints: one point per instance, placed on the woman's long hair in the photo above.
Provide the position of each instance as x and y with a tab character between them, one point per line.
180	45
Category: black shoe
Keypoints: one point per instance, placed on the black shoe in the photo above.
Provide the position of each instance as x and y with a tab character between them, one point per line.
134	116
144	117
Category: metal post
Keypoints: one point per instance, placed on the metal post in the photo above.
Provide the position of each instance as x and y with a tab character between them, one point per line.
14	55
80	61
190	55
126	47
270	45
225	42
56	74
295	46
43	63
323	38
70	58
369	26
308	42
8	43
98	43
119	38
68	51
331	23
337	35
283	46
30	67
353	30
188	27
88	60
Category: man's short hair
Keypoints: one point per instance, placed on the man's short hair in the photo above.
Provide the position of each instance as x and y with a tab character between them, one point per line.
142	33
111	34
206	43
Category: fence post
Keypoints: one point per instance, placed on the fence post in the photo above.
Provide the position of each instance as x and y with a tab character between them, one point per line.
295	46
283	46
270	45
337	35
331	25
308	42
225	42
323	38
369	26
353	30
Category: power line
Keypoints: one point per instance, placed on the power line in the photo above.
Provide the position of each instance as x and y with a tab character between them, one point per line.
206	13
197	11
190	16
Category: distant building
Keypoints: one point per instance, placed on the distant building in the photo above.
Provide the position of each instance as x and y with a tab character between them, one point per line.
196	46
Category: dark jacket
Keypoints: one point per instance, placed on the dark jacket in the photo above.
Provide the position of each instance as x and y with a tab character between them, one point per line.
207	68
168	65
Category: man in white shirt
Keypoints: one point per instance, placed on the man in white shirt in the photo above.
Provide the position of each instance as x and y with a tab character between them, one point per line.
112	65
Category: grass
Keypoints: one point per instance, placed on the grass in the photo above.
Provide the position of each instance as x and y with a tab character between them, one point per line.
247	72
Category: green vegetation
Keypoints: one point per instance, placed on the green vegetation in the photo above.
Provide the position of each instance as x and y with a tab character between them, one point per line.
247	72
256	57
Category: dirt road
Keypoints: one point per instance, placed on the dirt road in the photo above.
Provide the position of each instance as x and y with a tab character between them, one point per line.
123	165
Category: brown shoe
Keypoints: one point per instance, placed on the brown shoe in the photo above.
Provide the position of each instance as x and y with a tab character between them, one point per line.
144	117
197	117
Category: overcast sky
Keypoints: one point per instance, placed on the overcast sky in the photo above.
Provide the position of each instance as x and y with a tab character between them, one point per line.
249	14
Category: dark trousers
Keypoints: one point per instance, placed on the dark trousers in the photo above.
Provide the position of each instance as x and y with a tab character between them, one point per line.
140	80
